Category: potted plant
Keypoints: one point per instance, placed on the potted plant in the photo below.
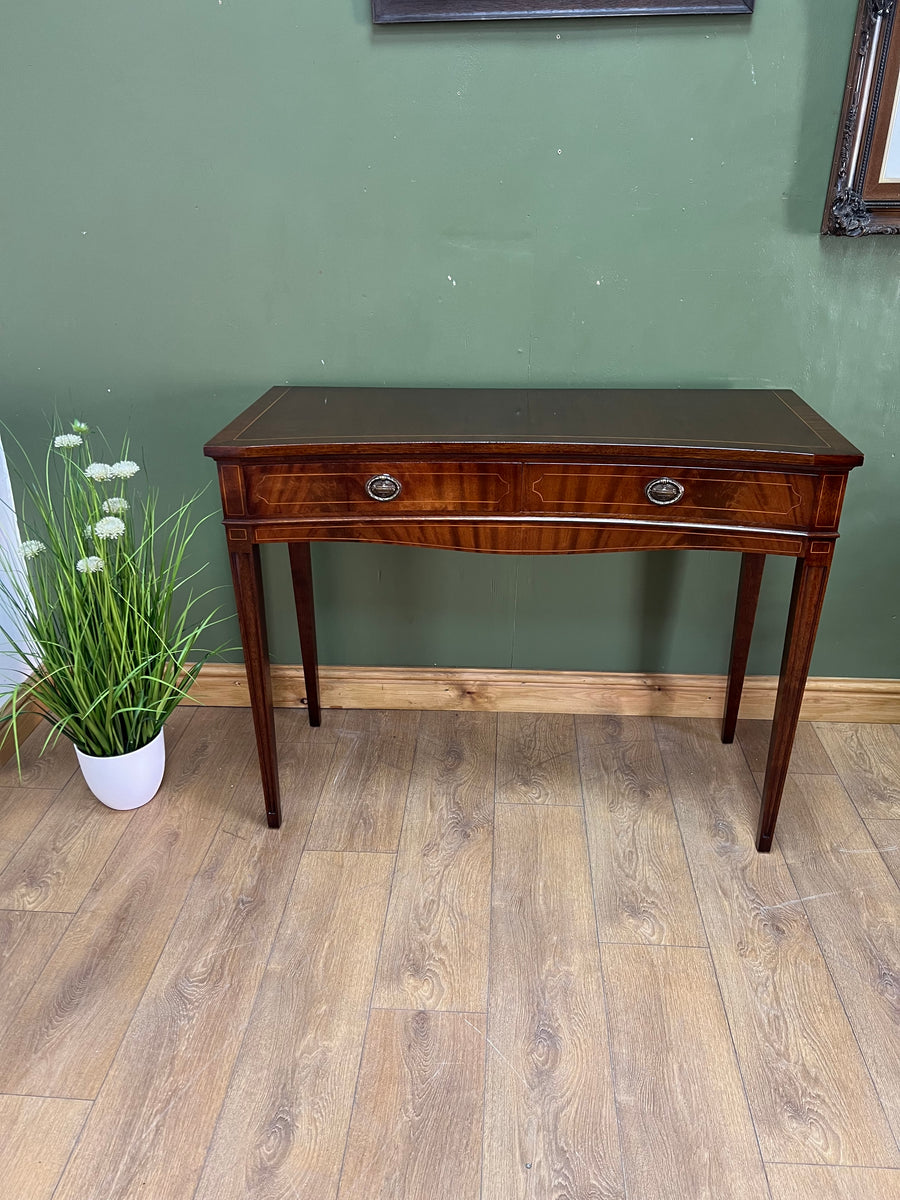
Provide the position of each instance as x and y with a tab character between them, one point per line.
100	618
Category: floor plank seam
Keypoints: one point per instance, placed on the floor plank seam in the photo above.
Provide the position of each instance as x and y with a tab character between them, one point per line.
684	849
321	850
777	1162
603	982
375	970
458	1012
150	975
534	804
737	1063
58	912
34	834
262	976
880	850
743	749
48	959
840	774
837	991
766	1177
656	945
126	826
42	1096
487	987
17	780
712	960
75	1144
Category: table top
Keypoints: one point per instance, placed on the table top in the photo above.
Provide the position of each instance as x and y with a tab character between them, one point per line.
706	425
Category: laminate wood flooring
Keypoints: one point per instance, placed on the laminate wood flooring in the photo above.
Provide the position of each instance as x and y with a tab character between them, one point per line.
515	957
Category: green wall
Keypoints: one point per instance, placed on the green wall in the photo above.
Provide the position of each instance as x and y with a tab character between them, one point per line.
200	201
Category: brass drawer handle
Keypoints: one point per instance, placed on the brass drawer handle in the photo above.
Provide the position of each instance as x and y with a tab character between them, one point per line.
383	487
664	491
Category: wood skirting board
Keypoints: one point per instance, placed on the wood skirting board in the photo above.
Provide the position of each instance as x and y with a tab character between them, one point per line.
468	689
28	723
868	701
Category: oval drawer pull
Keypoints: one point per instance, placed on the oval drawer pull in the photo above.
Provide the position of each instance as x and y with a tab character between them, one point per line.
664	491
383	487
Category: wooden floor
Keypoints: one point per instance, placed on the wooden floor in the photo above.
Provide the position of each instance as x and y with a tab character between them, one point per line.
514	957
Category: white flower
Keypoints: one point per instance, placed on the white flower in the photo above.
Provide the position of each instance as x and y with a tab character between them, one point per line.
99	472
32	548
123	470
89	565
65	441
89	530
109	528
80	427
114	505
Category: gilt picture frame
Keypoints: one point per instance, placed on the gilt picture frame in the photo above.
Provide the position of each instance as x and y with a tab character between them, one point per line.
864	189
392	12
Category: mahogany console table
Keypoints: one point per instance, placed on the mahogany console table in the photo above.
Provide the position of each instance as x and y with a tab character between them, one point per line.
536	472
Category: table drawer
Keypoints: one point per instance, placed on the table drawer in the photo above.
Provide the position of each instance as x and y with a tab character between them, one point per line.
693	495
376	488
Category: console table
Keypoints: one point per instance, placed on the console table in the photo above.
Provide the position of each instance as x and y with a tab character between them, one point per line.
536	472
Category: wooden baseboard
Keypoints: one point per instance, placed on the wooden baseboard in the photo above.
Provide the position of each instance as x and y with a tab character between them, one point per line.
27	723
464	689
224	684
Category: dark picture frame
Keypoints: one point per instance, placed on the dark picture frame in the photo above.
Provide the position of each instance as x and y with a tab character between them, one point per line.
864	189
392	12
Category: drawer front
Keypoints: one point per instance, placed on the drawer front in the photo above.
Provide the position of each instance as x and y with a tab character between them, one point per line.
379	488
694	495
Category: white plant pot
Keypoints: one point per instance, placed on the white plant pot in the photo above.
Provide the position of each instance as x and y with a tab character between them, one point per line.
126	781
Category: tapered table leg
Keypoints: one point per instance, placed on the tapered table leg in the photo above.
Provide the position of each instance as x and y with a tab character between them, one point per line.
248	591
810	577
745	611
301	574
